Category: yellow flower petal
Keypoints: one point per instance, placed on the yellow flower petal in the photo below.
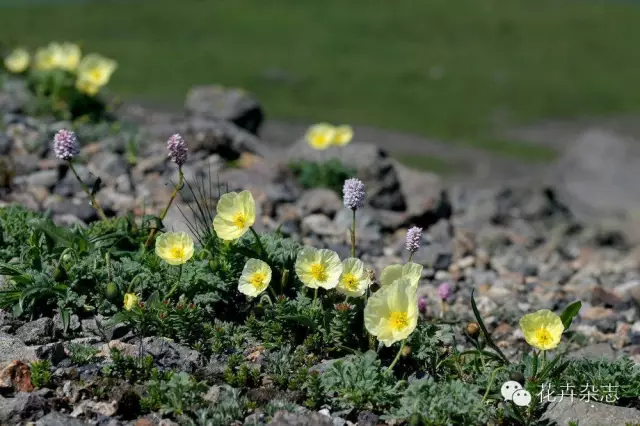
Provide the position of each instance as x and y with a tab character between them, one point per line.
17	61
542	330
320	136
70	56
175	248
130	301
318	268
354	279
236	213
255	278
391	313
410	270
96	69
87	87
343	135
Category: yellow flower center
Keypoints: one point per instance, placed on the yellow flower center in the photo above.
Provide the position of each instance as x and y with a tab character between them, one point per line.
398	320
319	272
350	282
177	252
240	220
543	336
96	74
256	279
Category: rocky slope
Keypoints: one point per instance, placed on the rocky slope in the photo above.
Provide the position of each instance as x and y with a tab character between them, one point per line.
523	244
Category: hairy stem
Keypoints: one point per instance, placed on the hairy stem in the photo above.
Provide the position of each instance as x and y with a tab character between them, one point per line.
395	360
353	234
94	202
175	286
176	189
493	377
255	234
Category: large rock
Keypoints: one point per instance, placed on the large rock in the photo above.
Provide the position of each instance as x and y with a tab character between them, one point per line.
234	105
372	164
170	355
223	138
590	413
285	418
59	419
36	332
12	348
23	407
598	175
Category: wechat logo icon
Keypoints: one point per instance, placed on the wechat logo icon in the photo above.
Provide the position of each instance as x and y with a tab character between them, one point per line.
513	391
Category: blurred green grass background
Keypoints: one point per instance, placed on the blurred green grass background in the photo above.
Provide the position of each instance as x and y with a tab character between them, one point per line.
453	70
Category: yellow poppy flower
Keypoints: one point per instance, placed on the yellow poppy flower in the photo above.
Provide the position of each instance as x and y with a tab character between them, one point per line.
391	313
69	56
342	135
542	329
86	87
354	280
130	301
236	214
255	278
175	248
96	69
318	268
409	270
48	58
17	61
320	136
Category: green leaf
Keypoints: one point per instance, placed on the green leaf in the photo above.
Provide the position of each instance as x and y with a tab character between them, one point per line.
96	186
306	321
487	336
569	313
66	319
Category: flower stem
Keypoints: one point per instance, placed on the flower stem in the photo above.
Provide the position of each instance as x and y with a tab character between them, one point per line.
395	360
353	234
410	256
493	377
255	234
175	286
176	189
273	292
315	294
94	202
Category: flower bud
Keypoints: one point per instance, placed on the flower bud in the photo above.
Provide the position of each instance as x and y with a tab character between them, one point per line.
354	193
422	305
177	149
473	330
412	241
65	145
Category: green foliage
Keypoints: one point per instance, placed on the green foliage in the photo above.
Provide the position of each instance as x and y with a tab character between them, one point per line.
289	369
173	393
183	322
360	383
226	337
240	374
132	369
619	379
14	220
429	345
230	406
330	174
276	405
41	376
431	403
81	354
